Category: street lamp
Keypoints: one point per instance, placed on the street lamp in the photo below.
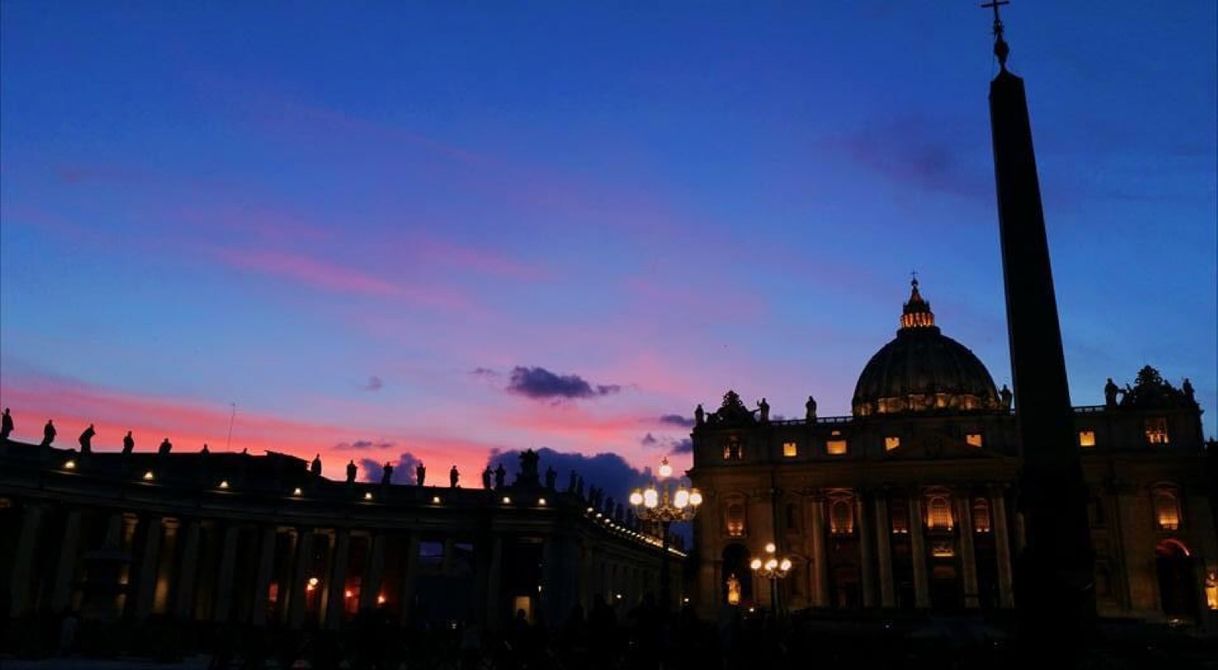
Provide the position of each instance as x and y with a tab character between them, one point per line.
773	569
663	503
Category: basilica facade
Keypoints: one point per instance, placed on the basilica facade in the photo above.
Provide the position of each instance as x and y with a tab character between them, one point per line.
912	501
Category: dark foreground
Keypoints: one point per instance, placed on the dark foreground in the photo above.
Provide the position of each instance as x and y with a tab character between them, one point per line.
642	640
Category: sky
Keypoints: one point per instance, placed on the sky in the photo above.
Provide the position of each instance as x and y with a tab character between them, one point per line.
442	231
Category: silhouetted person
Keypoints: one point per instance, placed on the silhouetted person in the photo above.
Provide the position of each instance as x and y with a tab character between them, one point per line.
810	410
315	466
1005	395
165	448
128	443
764	408
420	474
453	477
486	478
48	434
352	469
6	425
86	440
1110	393
699	415
387	473
551	477
500	475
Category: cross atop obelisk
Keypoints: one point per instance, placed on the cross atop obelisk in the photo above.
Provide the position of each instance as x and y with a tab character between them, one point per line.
1001	50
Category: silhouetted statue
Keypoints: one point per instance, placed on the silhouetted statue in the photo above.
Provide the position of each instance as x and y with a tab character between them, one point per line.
528	468
500	475
86	440
315	466
205	451
699	415
48	434
420	474
1189	392
764	408
579	486
810	410
551	476
165	448
607	510
1110	393
387	474
571	483
453	477
128	443
6	425
352	470
1005	396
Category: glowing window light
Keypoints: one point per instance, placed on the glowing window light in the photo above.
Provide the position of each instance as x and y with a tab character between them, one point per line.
973	439
148	476
1086	438
940	516
224	484
1156	430
296	491
435	500
790	449
835	447
1167	511
891	442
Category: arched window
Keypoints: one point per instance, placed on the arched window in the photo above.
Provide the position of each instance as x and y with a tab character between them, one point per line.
733	518
898	516
939	515
841	517
733	450
981	515
1167	509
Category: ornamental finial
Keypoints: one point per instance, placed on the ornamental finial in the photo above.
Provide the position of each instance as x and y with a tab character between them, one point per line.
1001	50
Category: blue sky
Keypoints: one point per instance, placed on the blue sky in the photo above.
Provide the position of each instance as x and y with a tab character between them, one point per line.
356	222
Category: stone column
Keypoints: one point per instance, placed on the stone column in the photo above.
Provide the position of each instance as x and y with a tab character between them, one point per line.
494	567
917	544
968	556
262	582
821	580
224	582
866	534
65	572
370	586
408	575
338	579
883	539
22	577
164	576
1002	545
187	569
300	578
146	586
284	604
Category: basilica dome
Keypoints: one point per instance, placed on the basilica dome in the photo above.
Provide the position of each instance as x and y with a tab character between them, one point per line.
923	370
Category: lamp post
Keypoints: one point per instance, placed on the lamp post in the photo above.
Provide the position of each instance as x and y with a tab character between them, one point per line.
663	503
773	569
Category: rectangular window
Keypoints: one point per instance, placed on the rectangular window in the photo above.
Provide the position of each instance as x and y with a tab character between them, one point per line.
973	439
1156	430
790	449
891	442
835	447
1086	438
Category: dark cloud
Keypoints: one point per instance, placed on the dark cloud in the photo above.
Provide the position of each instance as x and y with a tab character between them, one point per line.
374	384
359	445
685	446
483	372
677	420
608	471
648	440
541	383
403	469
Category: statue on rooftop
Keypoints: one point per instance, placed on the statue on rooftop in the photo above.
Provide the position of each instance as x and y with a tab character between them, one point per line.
1110	393
486	477
551	476
579	486
1189	393
420	474
764	408
571	483
314	467
205	451
810	410
1005	396
128	443
500	475
699	415
387	474
453	477
86	440
352	469
6	425
165	448
48	434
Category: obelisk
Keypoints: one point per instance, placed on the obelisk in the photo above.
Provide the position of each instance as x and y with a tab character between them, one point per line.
1054	576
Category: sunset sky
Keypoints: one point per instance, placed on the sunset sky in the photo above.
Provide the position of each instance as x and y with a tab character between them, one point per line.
390	230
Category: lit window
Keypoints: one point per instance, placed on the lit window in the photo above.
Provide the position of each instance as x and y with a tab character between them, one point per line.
1086	438
733	519
1156	430
973	439
899	518
891	442
1167	510
942	549
981	516
835	447
841	518
940	516
790	449
1211	590
733	450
